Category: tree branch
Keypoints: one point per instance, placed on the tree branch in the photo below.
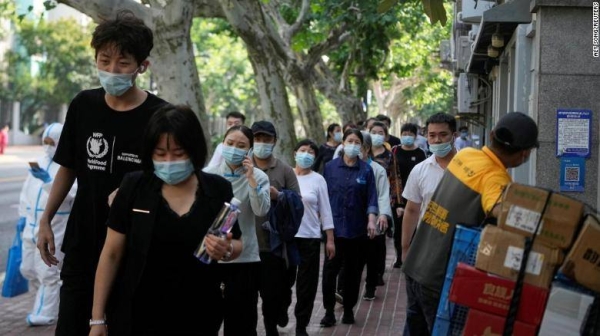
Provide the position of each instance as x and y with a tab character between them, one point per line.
208	9
101	10
295	27
336	38
271	8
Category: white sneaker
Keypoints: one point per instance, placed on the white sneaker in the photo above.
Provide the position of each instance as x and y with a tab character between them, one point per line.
38	320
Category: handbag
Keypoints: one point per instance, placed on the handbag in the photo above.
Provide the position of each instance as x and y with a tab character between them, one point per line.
14	282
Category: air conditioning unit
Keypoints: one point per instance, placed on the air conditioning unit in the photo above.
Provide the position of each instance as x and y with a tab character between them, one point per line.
473	32
473	9
463	52
467	93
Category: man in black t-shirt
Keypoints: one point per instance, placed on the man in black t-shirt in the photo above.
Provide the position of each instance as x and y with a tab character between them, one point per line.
100	143
407	156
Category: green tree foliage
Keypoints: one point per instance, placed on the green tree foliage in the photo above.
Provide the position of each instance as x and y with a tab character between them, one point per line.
413	59
224	69
50	64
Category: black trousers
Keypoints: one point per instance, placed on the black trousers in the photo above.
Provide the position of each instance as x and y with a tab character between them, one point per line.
421	308
375	260
307	280
398	234
76	297
349	254
276	282
240	294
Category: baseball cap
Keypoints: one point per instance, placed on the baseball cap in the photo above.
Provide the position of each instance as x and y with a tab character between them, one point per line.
517	130
265	127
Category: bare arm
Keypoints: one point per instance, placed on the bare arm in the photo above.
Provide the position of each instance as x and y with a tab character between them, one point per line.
65	177
330	245
108	265
409	224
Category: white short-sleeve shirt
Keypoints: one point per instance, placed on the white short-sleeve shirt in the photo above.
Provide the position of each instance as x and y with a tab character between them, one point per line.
422	181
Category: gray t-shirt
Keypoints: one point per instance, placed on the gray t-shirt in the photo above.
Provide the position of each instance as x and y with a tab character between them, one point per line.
281	176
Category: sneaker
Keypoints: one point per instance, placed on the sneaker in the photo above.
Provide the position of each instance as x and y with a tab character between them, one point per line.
300	331
339	298
398	263
369	295
38	320
348	317
328	320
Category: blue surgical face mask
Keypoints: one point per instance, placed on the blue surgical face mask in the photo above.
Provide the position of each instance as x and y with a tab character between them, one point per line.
441	150
304	160
232	155
337	136
377	139
116	84
464	135
263	150
351	150
173	172
407	140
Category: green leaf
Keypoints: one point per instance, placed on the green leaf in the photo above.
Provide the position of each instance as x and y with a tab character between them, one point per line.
386	5
435	11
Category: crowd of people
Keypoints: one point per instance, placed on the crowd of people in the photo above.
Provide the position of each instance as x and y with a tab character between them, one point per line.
129	170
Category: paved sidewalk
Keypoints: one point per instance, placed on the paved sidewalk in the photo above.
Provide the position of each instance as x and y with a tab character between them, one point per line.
383	316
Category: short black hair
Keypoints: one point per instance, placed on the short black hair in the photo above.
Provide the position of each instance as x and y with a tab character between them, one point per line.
307	142
127	33
331	128
355	132
463	128
382	125
442	118
408	127
384	118
245	130
183	124
236	115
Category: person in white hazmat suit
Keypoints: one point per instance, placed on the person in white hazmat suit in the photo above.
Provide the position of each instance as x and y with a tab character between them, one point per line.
34	196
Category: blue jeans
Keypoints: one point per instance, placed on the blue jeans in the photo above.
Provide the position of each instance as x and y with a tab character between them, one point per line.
421	308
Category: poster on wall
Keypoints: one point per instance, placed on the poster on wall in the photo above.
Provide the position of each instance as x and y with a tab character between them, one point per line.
572	174
573	133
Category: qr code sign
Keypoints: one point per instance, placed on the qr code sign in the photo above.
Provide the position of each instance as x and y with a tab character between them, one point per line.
572	174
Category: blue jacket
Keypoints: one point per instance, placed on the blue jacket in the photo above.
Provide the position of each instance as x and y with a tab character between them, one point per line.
285	217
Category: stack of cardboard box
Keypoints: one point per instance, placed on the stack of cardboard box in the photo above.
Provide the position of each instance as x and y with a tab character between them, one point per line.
487	288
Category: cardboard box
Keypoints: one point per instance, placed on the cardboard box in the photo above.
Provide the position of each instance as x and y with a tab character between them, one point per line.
521	208
492	294
583	261
485	324
500	252
565	312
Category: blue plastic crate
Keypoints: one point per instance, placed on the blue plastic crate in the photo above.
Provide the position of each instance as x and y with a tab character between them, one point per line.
451	318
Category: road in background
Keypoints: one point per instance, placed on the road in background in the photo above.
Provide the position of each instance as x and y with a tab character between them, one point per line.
13	171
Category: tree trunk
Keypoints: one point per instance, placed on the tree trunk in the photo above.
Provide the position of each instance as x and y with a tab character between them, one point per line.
310	112
349	107
248	21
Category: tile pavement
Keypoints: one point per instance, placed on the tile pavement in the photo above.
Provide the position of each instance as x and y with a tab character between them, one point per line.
383	316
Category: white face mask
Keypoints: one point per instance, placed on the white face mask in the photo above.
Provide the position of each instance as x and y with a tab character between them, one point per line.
49	150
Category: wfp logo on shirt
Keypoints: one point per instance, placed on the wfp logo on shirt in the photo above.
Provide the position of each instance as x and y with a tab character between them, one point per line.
97	148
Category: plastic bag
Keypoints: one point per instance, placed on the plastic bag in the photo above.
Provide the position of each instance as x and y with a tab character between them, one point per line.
14	282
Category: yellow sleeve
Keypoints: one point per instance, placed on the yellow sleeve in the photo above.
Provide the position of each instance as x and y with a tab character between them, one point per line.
493	186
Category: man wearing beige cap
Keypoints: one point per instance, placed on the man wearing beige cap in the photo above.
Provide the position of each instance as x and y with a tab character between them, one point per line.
468	192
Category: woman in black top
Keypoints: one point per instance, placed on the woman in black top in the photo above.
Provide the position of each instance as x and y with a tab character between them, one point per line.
326	150
156	221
